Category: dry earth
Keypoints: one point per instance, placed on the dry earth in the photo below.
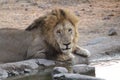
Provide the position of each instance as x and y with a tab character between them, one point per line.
97	17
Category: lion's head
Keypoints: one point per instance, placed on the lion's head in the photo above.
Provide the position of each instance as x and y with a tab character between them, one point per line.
59	29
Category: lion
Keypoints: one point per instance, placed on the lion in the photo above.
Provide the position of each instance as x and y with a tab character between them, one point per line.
52	36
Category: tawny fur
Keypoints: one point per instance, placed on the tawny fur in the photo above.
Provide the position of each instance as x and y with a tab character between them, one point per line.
48	22
37	40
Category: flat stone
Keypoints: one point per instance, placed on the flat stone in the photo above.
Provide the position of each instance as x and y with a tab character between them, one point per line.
57	70
22	64
84	69
71	76
27	70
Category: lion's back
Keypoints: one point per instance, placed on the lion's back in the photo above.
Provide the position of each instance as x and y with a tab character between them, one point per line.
13	42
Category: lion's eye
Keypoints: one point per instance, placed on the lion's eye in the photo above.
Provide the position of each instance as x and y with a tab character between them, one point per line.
58	31
70	30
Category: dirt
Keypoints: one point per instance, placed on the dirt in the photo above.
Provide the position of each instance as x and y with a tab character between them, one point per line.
97	17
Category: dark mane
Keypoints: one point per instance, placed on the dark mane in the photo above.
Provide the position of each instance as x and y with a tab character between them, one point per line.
37	23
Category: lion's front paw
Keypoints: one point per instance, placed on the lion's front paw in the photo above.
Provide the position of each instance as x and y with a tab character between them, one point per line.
82	52
86	53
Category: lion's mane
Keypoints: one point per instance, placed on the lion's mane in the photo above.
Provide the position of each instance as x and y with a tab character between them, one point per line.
48	22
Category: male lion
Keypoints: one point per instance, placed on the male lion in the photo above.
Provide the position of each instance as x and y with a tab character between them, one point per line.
53	36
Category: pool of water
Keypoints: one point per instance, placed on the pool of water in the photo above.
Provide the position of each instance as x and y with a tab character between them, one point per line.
44	74
108	70
40	74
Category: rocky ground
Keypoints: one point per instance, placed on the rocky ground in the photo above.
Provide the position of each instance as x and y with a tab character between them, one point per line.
99	26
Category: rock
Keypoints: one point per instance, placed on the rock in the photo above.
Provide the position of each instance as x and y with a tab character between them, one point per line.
18	68
30	64
106	18
108	48
111	14
83	9
58	70
84	69
26	9
71	76
90	5
112	32
21	72
79	60
13	73
3	74
45	62
27	70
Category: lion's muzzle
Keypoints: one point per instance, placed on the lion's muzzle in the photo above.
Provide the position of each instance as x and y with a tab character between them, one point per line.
67	46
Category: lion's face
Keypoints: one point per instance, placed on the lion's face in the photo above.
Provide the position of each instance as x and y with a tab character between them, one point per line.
64	35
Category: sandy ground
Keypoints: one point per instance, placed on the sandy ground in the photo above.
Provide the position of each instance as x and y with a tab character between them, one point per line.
97	17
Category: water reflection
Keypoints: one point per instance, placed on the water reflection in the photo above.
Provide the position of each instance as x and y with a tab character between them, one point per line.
41	74
108	70
36	75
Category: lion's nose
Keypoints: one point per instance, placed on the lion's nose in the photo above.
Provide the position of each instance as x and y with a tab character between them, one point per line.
66	44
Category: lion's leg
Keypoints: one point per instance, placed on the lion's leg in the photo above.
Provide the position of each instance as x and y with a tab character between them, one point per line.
36	53
40	55
82	52
64	57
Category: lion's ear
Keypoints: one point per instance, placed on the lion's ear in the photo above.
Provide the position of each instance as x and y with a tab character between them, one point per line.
37	23
62	12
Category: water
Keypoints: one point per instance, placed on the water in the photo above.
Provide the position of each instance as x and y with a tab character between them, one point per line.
36	75
41	74
108	70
